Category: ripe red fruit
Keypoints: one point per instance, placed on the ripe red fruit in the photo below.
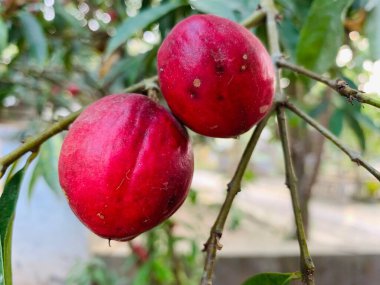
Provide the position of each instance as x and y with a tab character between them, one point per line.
216	76
73	89
126	165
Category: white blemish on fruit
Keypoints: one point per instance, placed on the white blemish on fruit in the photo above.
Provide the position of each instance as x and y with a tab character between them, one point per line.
245	56
101	216
161	69
197	82
213	127
243	67
264	108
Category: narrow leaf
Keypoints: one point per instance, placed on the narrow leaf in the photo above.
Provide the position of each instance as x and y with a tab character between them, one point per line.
289	37
222	8
2	282
8	201
355	126
336	122
33	180
34	36
48	161
3	36
272	278
372	31
322	35
131	25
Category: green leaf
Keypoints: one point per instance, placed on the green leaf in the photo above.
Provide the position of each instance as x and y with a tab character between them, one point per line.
289	36
47	165
1	266
142	275
8	201
3	35
372	31
336	122
131	25
249	175
33	180
193	196
34	36
126	68
162	272
354	125
320	108
322	35
272	278
222	8
367	121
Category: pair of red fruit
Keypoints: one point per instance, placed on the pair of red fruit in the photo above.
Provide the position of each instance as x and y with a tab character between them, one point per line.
126	163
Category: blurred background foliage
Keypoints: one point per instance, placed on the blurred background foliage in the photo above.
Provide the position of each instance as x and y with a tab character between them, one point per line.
57	56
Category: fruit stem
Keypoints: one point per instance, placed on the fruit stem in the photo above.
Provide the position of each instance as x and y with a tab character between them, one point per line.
33	143
354	156
306	263
338	85
213	245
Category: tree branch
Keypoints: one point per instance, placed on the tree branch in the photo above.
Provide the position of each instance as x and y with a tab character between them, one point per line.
339	85
212	245
306	263
254	20
354	156
307	266
33	143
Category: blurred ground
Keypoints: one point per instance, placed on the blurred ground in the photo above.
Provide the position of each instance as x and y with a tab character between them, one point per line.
48	240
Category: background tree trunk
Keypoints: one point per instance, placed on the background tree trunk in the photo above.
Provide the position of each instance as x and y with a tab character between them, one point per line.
307	150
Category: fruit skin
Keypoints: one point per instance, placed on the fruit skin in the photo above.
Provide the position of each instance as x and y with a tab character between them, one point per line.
125	165
216	76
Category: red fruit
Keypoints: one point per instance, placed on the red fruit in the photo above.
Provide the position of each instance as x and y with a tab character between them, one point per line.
216	76
126	165
113	14
73	89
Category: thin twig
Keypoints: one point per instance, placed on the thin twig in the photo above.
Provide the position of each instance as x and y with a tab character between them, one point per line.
213	245
307	266
306	263
354	156
33	143
254	20
143	84
339	85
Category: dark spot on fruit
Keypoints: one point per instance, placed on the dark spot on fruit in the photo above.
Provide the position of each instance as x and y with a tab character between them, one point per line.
171	202
219	68
220	98
193	92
